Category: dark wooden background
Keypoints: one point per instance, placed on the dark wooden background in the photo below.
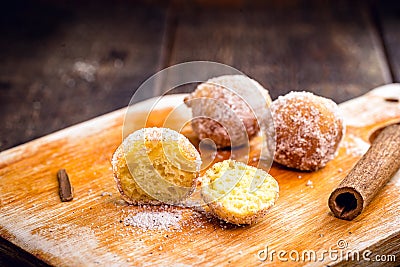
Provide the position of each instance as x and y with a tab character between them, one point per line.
64	62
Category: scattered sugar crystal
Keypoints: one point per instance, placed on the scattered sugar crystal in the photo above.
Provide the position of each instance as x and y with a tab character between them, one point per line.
152	220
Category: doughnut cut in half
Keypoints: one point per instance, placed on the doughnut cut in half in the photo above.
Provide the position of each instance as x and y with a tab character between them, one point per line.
238	193
155	166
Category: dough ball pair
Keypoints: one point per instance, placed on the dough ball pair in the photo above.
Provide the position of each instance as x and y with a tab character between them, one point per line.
308	128
159	165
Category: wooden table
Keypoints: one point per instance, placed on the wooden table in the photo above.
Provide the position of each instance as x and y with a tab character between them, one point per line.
66	62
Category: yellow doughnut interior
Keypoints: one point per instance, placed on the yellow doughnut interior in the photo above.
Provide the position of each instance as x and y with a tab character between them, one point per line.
157	165
238	193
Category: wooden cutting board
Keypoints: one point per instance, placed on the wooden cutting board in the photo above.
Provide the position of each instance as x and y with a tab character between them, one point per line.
90	230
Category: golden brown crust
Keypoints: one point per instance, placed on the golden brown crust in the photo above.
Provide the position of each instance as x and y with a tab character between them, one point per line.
308	129
223	109
156	142
120	169
223	213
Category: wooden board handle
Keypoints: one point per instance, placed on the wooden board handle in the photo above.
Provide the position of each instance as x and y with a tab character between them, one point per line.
368	176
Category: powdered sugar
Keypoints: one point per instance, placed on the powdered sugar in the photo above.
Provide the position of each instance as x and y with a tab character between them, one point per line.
354	145
373	107
396	179
309	129
228	109
161	135
310	184
154	220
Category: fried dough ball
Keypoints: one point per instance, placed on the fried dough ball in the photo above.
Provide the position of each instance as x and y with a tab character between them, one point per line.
308	130
154	166
224	108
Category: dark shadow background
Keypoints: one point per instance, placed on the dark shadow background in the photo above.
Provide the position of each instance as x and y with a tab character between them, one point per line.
64	62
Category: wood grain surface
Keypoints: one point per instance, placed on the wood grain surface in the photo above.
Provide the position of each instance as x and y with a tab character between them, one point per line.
65	62
287	45
44	86
89	229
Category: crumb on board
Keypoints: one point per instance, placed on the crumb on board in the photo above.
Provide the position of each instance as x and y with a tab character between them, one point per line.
103	194
310	184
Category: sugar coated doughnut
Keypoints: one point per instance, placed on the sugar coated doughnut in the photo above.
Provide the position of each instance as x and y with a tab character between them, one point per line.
308	130
224	109
154	166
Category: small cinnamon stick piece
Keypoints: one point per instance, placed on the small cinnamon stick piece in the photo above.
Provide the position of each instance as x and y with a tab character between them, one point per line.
368	176
64	186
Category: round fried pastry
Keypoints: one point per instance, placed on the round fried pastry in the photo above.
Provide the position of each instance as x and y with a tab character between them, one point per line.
308	130
224	109
154	166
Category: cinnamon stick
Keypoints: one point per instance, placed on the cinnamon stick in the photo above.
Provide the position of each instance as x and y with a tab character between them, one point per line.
64	186
368	176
